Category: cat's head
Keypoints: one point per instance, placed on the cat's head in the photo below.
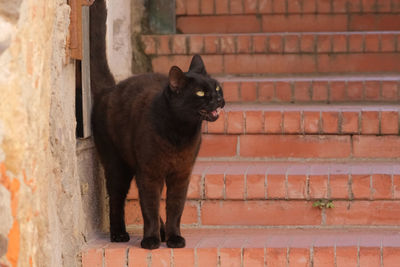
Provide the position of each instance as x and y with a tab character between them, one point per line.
194	93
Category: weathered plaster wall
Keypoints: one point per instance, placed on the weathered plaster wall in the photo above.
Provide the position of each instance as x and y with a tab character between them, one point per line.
43	178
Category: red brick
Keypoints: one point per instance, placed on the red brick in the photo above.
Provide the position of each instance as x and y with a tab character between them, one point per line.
230	257
295	146
221	7
388	43
259	43
275	44
370	257
214	186
217	126
266	91
236	6
389	122
248	91
356	43
234	186
369	6
374	22
355	91
137	257
296	187
324	44
299	257
231	91
364	213
371	43
283	91
255	186
207	257
193	7
311	121
376	146
218	24
309	6
292	122
243	43
370	122
218	146
361	186
324	257
339	43
391	256
338	91
307	43
381	186
372	90
254	122
211	44
292	44
161	257
250	6
276	186
318	186
253	257
235	122
389	91
162	64
304	23
346	256
227	44
196	44
253	213
92	257
179	44
279	7
396	186
350	122
194	190
164	45
276	257
207	7
180	7
265	6
115	256
330	122
302	91
320	91
149	44
383	6
273	122
183	257
339	186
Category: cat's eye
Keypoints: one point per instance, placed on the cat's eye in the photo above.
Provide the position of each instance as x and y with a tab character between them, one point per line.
200	93
217	89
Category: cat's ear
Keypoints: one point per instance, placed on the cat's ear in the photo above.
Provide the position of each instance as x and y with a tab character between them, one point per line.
176	79
197	65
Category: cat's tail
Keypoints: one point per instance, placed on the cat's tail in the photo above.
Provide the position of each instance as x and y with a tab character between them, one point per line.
101	76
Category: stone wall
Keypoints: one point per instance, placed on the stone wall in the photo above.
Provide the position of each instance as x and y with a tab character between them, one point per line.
48	189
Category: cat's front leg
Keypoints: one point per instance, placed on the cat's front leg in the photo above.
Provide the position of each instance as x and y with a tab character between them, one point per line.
149	196
176	197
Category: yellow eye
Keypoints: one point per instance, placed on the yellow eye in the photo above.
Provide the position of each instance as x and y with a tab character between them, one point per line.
218	88
200	93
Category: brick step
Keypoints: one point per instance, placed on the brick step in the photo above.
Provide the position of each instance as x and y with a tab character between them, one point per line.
299	147
306	119
206	213
312	89
232	7
272	43
255	248
292	181
273	64
254	23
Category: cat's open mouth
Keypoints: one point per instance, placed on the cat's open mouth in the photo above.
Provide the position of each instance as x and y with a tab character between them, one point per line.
210	115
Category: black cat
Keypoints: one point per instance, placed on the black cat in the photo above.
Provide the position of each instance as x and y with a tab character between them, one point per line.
148	126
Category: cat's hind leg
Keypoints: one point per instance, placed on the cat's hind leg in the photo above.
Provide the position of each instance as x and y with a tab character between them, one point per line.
118	179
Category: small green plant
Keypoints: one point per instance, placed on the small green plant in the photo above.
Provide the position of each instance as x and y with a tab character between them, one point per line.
323	203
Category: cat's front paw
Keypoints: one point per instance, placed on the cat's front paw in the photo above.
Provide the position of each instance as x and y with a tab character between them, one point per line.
150	242
176	241
119	237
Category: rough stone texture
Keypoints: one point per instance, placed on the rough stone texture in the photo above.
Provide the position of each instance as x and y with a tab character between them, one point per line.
46	212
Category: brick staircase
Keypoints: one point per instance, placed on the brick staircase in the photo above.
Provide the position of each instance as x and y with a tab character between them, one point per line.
313	91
